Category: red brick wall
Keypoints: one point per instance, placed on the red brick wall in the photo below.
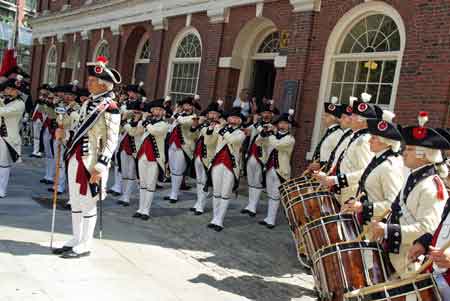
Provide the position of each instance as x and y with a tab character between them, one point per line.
424	79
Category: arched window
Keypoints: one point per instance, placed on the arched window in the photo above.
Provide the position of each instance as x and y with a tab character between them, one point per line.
50	75
102	49
271	43
142	60
185	66
367	59
73	61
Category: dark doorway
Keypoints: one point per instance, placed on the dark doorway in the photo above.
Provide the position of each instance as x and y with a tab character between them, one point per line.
264	73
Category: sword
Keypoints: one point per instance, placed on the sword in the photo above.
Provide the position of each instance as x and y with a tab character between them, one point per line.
100	205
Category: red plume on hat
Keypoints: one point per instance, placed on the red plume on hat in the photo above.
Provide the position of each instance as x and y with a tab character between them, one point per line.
420	132
102	59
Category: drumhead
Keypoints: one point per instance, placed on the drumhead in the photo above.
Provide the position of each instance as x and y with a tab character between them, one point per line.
345	246
394	289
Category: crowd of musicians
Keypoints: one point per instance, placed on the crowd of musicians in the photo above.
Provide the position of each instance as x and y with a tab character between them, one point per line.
370	164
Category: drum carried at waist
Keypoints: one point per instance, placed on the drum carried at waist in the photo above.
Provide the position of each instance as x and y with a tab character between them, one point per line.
423	287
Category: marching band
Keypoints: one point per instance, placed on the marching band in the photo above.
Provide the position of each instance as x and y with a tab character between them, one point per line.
369	209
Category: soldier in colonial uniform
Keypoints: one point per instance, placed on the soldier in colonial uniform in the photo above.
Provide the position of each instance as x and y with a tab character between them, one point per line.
225	166
12	107
151	156
354	160
204	153
88	154
37	119
128	148
47	136
418	207
334	132
383	178
432	245
280	145
181	144
256	157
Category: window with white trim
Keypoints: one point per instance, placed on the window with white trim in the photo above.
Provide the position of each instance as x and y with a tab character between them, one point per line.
271	43
142	60
367	60
185	67
102	49
50	75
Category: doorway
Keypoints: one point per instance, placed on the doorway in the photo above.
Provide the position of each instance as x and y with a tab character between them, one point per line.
264	74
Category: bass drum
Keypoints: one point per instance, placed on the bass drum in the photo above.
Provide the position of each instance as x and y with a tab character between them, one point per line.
345	267
329	230
422	287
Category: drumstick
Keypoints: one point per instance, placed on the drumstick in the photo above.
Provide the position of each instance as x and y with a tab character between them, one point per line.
429	262
379	219
308	170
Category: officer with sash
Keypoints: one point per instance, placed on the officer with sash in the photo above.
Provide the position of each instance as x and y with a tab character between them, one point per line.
88	156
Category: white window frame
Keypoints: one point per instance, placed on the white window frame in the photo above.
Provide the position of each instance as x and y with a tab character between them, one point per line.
173	59
51	64
98	47
337	36
137	59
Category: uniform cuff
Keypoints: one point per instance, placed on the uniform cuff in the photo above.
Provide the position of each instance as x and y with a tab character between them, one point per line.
367	212
394	237
342	181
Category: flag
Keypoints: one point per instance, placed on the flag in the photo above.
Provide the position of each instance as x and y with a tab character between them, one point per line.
10	56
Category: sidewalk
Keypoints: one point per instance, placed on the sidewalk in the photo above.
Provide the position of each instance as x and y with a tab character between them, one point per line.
173	256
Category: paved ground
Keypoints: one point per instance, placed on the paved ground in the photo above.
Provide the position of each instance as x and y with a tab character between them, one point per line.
173	256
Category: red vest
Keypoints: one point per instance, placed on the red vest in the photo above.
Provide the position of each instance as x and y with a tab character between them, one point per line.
125	145
175	137
224	157
147	149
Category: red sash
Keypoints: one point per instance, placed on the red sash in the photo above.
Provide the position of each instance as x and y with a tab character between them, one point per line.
38	115
147	149
254	151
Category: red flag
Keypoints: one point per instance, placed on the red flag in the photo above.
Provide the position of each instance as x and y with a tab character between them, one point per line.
9	61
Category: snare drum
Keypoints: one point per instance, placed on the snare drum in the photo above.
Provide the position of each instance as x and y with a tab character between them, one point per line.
329	230
296	189
423	288
344	267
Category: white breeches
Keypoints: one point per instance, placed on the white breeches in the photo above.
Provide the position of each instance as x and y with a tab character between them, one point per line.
47	140
128	166
117	185
201	177
223	182
272	185
177	165
148	177
37	126
84	210
255	185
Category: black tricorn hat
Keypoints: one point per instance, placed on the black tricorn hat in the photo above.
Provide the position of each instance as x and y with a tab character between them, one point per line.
139	89
236	112
384	129
333	108
190	100
268	107
134	105
16	83
424	136
157	103
214	106
363	108
100	69
287	117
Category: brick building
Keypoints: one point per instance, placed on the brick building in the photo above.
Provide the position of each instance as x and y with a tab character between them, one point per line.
300	52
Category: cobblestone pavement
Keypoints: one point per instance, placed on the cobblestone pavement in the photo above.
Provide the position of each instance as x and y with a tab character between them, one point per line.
173	256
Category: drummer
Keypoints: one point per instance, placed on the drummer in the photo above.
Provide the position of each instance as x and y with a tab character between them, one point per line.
334	132
354	160
383	178
418	207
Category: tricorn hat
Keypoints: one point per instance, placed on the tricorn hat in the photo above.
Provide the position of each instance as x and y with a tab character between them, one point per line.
100	69
333	108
